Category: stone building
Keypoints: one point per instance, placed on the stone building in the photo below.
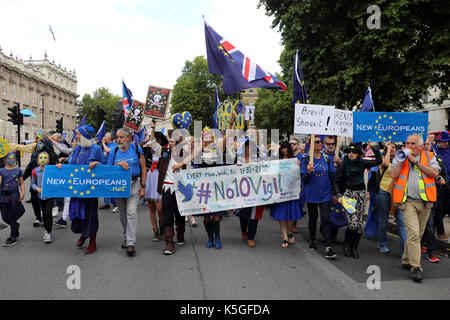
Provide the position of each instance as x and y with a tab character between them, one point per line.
43	87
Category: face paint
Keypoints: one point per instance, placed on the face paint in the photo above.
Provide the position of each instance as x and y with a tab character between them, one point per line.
43	159
11	160
39	146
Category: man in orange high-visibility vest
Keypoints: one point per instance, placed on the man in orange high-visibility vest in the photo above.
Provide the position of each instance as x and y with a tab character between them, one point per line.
415	192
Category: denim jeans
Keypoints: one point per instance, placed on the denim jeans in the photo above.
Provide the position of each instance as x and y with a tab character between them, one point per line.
382	209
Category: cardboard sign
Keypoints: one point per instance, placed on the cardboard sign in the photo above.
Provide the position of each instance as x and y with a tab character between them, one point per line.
342	123
135	116
224	112
157	102
313	119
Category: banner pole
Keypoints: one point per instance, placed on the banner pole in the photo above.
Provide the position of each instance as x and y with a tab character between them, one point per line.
311	149
338	147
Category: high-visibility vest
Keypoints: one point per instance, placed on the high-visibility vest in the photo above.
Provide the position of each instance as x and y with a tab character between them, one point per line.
427	187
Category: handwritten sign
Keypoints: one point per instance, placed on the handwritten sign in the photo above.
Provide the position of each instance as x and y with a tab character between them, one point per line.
342	123
135	116
231	187
313	119
77	181
224	112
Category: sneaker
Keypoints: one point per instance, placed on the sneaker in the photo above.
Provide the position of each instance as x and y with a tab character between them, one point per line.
54	211
423	250
432	258
47	237
115	210
442	237
10	242
416	274
61	223
169	249
384	249
312	245
329	254
37	223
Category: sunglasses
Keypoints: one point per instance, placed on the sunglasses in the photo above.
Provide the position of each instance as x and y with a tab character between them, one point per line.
293	143
318	142
330	144
353	151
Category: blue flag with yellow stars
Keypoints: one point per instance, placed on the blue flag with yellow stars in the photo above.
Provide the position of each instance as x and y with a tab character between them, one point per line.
78	181
388	126
299	94
338	216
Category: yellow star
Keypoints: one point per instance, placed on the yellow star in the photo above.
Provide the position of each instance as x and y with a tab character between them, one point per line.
88	192
394	133
76	170
376	132
81	194
82	169
376	121
70	187
390	137
379	137
92	187
390	118
71	174
379	117
75	191
70	181
89	170
93	175
395	121
385	116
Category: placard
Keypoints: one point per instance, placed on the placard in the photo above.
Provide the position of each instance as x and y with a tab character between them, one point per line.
388	126
135	116
231	187
313	119
78	181
342	123
156	102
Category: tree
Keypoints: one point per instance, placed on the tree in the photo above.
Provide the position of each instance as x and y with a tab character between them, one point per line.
194	91
340	55
102	98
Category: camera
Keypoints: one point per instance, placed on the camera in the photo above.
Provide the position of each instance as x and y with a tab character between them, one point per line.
439	178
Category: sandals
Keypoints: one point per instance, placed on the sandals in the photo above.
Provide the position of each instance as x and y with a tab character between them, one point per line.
291	238
284	244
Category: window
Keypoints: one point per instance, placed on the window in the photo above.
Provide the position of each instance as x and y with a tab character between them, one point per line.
4	87
24	95
251	90
27	136
14	90
251	102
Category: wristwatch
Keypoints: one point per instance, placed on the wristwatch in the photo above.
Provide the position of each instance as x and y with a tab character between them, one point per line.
143	185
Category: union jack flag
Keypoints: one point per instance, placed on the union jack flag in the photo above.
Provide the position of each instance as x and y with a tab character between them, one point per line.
127	99
238	71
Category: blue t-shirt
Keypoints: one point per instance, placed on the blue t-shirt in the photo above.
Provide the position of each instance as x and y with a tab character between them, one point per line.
318	189
130	156
299	156
10	178
111	146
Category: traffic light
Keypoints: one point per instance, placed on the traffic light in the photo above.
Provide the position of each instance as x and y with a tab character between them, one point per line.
100	116
59	125
14	115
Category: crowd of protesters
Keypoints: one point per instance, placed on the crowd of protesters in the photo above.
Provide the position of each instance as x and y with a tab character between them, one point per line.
413	189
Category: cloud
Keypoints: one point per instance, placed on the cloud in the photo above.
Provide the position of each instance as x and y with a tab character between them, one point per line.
145	42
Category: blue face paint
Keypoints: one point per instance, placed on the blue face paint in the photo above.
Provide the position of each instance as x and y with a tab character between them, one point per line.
11	159
39	146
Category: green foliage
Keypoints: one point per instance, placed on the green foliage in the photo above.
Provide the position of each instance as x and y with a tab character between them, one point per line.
103	99
408	55
194	91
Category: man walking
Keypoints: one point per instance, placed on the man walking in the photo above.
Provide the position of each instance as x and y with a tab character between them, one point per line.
415	192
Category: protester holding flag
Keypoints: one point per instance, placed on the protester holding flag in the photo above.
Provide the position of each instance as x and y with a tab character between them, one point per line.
318	181
83	211
349	183
289	211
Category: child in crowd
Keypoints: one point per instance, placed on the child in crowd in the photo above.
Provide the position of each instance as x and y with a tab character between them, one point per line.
45	203
11	180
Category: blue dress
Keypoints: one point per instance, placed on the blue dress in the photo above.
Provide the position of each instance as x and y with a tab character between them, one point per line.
286	211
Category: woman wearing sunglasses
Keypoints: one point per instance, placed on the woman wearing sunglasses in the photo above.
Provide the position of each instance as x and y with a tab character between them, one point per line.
349	182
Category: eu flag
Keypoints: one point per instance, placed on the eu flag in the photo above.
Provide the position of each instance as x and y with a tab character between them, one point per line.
238	71
299	94
368	101
101	132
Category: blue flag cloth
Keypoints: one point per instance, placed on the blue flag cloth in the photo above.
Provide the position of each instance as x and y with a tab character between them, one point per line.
299	94
78	181
140	135
101	132
237	70
368	101
216	99
388	126
82	123
338	216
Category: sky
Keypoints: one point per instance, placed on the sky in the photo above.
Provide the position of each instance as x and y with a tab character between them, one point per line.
145	42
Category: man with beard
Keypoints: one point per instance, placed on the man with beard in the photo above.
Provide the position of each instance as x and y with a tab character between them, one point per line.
129	156
83	211
46	145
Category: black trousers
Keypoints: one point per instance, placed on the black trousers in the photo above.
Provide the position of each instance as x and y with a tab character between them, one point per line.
442	207
313	214
249	226
46	207
170	209
36	203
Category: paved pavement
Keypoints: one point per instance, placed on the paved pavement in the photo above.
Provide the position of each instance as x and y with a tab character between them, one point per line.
34	270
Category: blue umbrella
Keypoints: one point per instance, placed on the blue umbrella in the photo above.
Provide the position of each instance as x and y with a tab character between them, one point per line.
27	113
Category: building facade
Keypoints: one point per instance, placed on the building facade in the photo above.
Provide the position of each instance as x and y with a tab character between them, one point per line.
41	86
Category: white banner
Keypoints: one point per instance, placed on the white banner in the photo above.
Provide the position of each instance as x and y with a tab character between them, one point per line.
313	119
232	187
342	124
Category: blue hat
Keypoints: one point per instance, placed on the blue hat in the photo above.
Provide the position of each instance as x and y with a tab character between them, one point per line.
443	136
87	131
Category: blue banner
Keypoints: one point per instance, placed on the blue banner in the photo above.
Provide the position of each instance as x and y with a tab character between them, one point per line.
388	126
76	181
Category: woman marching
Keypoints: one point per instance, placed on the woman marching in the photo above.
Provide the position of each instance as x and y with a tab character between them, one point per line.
318	179
349	182
289	211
